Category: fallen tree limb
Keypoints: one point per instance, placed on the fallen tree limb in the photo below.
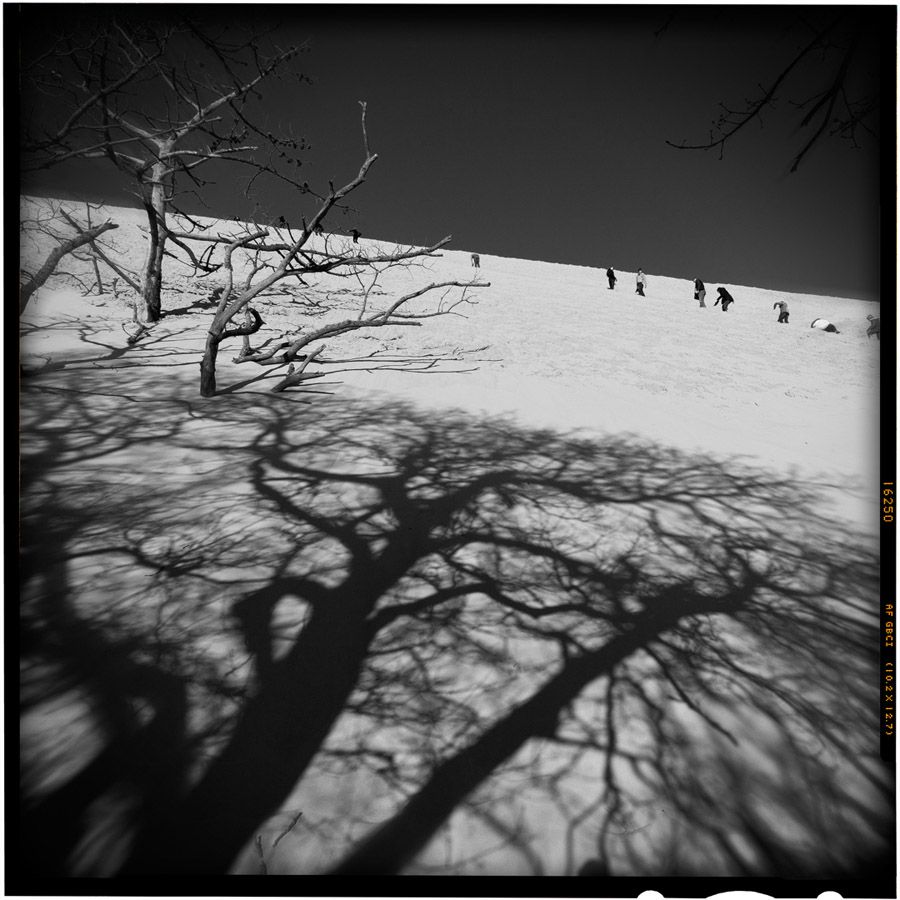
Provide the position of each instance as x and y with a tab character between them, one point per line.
295	376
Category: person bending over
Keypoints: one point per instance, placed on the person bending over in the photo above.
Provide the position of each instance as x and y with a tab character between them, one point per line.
724	298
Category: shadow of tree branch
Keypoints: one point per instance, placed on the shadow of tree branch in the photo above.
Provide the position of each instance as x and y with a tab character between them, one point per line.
425	630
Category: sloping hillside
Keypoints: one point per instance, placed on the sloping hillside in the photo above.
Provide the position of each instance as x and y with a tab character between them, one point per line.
574	456
553	345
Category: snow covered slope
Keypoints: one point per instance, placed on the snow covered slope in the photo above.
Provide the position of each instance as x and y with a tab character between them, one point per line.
157	512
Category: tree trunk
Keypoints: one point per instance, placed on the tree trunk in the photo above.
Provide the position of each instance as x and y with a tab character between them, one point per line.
151	287
218	332
97	276
94	262
155	205
208	365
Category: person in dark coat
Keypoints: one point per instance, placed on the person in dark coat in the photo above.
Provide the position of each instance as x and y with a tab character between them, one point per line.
700	292
783	313
356	235
641	281
724	298
611	277
476	261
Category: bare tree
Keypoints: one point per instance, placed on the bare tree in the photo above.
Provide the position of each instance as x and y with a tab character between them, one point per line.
159	102
843	101
294	259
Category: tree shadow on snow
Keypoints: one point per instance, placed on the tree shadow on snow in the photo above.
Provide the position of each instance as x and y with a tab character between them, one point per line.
449	645
156	348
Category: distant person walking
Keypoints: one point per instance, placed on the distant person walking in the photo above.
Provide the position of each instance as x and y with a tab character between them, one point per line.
874	327
783	313
700	292
641	282
611	277
724	298
356	235
476	261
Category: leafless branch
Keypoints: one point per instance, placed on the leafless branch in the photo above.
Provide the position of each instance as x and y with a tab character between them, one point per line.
126	276
50	263
839	34
295	376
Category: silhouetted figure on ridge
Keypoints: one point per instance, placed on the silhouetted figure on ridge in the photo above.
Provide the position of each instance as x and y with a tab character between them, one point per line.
356	235
611	277
641	282
476	261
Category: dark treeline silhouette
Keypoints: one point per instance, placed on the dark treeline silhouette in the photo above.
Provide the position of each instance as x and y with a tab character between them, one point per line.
403	631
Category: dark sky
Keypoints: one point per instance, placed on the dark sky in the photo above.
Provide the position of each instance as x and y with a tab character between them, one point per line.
539	133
